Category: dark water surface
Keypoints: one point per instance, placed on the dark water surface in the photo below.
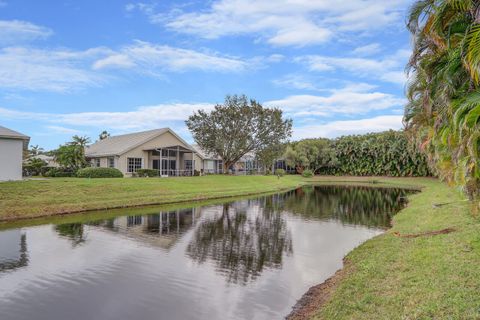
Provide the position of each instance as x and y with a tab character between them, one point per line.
247	259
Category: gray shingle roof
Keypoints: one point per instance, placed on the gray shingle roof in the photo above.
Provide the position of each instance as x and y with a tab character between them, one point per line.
11	134
203	154
117	145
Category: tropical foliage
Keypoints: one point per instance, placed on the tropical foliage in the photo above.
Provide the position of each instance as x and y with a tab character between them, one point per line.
72	154
443	113
311	154
34	167
387	153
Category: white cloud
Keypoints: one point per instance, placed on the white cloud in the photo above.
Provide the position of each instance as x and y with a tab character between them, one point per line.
16	31
142	118
345	127
351	100
275	58
63	70
295	81
50	70
387	69
367	50
282	22
62	130
147	57
114	61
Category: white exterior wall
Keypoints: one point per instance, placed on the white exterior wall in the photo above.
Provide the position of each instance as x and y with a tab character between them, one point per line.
11	155
165	140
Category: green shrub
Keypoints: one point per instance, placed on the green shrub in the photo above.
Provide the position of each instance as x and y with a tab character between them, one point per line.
99	173
147	173
280	172
34	167
307	173
388	153
59	172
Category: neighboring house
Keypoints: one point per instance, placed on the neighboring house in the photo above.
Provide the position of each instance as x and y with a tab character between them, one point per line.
159	149
12	145
282	164
50	160
162	150
211	164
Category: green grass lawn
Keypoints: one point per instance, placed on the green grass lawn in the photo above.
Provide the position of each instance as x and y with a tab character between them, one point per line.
428	277
38	198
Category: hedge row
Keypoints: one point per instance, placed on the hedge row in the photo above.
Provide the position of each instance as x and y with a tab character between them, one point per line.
99	173
387	153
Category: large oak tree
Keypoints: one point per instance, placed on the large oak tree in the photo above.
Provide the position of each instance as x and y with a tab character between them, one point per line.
237	127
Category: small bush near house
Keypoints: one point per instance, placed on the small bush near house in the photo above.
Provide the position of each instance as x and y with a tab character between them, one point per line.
34	167
99	173
59	172
307	173
280	172
147	173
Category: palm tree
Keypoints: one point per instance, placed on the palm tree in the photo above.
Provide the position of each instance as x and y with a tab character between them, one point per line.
35	150
104	135
444	96
80	141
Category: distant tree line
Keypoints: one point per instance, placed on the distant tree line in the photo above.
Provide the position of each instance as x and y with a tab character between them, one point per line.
386	153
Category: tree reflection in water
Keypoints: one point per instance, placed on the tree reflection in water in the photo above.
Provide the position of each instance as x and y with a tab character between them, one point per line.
242	243
73	232
356	205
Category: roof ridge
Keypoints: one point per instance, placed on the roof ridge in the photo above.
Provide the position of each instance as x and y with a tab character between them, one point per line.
7	132
135	133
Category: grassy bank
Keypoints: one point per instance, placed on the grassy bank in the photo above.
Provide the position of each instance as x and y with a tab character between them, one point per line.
394	276
39	198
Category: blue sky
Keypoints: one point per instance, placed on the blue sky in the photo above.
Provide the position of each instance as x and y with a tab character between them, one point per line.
80	67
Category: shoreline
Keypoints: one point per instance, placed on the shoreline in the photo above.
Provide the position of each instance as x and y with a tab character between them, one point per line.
316	296
142	205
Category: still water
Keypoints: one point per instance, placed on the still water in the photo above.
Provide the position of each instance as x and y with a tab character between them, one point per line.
246	259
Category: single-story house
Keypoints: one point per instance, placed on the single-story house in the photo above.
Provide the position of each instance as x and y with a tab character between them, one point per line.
162	150
12	145
214	165
211	164
50	160
159	149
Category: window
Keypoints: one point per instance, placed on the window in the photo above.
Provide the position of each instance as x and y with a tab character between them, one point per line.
156	164
97	162
169	153
188	165
133	164
111	162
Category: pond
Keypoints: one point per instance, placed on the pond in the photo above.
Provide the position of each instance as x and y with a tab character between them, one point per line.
245	259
